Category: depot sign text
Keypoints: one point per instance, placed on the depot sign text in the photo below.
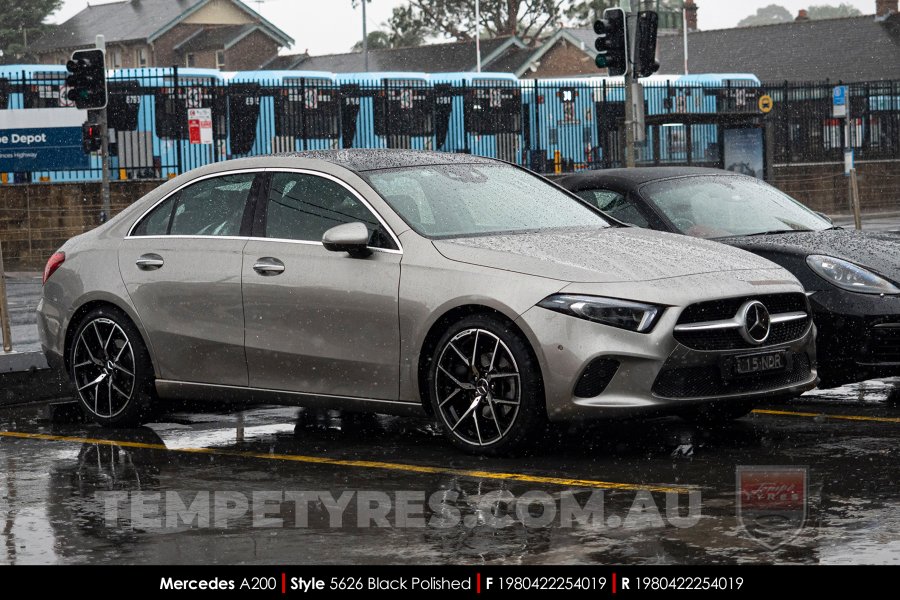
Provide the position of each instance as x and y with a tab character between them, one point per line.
27	139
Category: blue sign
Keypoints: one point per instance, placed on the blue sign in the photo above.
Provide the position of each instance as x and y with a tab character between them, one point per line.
41	139
47	149
840	95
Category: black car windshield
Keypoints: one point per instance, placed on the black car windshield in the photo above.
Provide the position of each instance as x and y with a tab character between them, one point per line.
722	205
463	200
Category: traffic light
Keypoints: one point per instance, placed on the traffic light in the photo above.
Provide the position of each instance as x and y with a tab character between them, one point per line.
91	137
645	63
612	41
87	79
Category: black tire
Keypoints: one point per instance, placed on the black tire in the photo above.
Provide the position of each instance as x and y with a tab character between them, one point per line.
719	413
111	369
510	412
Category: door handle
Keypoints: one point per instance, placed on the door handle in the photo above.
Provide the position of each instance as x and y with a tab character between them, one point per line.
268	266
149	262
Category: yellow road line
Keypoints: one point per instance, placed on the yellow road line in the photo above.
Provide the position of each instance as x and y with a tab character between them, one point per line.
789	413
365	464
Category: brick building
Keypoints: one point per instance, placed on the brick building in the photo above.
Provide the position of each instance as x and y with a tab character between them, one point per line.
225	34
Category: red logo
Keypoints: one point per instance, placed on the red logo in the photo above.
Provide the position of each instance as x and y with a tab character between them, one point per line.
772	503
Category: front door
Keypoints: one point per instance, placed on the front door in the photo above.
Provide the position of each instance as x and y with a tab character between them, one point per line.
320	322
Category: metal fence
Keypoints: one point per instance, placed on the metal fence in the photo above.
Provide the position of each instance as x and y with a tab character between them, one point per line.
547	125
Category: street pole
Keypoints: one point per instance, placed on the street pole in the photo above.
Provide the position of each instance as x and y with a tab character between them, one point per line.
4	308
630	17
365	37
477	36
106	208
684	31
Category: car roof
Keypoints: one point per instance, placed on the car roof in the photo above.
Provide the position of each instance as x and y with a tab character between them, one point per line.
636	176
360	159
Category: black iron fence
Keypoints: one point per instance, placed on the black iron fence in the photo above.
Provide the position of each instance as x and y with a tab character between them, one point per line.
166	121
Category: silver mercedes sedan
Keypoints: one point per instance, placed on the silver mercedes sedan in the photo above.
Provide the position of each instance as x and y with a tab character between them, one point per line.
414	283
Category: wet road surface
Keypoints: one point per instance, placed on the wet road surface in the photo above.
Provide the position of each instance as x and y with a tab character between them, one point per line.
75	493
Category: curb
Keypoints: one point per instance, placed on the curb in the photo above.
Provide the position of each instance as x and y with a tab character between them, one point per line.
22	361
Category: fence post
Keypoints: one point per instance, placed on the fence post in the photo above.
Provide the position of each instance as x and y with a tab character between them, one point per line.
176	90
4	307
854	200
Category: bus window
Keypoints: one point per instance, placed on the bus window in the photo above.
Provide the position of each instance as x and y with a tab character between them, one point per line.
243	110
493	110
123	105
404	108
308	111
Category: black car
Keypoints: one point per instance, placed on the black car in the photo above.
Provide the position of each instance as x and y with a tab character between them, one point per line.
852	278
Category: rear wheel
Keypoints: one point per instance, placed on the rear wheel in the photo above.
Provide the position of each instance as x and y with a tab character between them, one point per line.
718	413
111	369
485	387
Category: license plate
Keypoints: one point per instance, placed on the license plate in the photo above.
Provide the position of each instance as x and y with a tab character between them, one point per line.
752	364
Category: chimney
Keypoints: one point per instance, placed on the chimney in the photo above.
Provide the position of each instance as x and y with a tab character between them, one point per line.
690	11
803	15
883	8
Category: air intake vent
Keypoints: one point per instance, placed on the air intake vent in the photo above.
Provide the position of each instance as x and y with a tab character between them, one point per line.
596	377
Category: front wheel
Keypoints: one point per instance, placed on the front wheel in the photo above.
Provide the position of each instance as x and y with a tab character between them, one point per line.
111	369
485	387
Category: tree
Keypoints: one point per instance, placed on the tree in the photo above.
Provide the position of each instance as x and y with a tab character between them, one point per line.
583	13
378	40
767	15
824	11
21	23
381	39
455	19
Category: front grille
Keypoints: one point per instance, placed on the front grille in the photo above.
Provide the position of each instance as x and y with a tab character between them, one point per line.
596	377
730	339
707	381
885	344
716	310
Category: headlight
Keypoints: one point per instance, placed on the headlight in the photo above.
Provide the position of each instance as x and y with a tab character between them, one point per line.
848	276
624	314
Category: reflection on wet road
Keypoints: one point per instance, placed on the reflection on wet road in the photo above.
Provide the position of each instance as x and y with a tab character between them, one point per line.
339	487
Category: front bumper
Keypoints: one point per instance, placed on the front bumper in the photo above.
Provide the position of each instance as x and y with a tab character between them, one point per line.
649	365
858	335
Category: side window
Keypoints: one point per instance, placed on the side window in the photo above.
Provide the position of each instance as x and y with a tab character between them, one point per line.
157	222
303	207
615	205
213	207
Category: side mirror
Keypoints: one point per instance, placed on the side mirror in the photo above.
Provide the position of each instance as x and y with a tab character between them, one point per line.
352	238
824	216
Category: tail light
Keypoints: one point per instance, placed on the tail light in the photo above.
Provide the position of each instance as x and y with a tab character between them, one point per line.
53	264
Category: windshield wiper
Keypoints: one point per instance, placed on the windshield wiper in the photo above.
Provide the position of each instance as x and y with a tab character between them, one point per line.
777	231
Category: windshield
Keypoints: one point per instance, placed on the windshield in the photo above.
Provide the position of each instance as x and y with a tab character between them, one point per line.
720	206
469	199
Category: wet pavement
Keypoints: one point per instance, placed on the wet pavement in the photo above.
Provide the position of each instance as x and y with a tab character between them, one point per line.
75	493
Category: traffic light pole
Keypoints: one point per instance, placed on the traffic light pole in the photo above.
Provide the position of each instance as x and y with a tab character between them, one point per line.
630	147
105	205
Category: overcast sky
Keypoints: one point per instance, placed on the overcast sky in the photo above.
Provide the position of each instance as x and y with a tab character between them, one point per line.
331	26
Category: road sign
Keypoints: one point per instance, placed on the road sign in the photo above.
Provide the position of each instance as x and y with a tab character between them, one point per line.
839	102
766	104
41	139
200	125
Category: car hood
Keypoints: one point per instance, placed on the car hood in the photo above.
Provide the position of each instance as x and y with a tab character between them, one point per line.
877	251
600	255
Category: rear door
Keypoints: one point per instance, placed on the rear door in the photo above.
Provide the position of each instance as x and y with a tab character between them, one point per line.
320	322
182	267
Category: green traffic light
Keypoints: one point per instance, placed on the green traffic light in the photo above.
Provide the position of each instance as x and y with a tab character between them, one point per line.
601	61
